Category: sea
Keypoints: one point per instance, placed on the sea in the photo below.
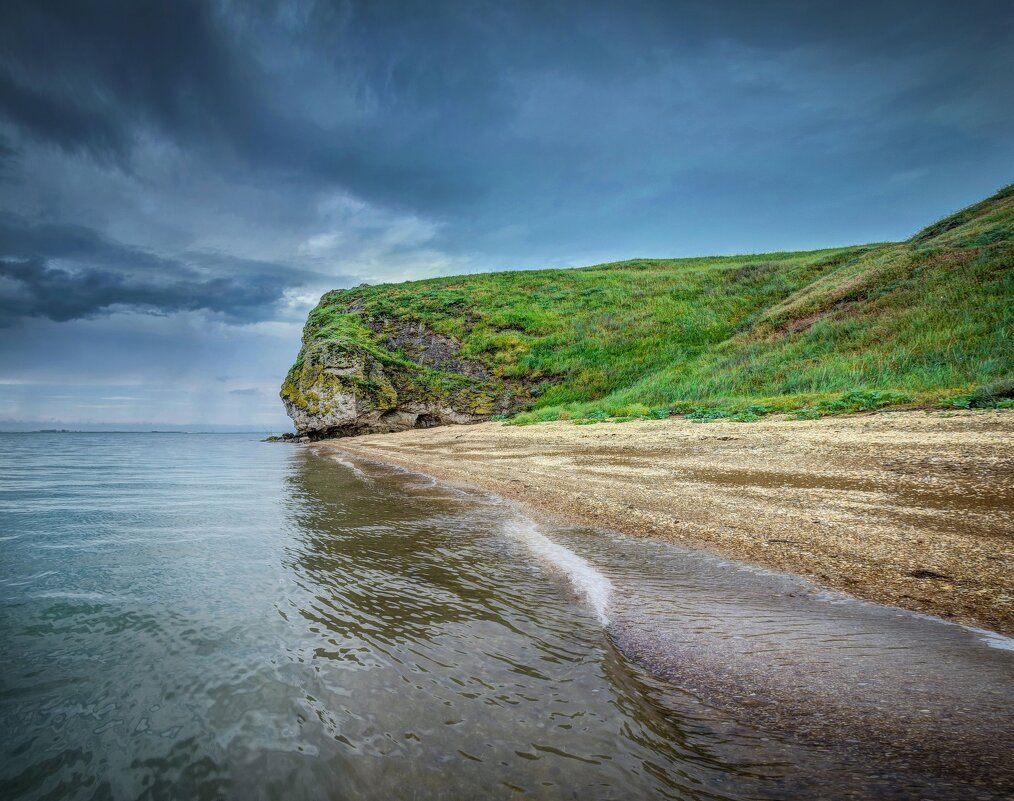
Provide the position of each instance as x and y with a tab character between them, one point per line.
209	616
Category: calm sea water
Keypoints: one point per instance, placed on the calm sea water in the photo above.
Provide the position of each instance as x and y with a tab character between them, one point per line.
208	616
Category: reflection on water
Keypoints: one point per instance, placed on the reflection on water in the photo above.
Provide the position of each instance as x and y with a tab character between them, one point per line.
466	664
212	617
208	617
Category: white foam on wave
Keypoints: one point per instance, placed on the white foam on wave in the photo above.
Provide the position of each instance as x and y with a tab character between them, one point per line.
586	580
993	639
356	471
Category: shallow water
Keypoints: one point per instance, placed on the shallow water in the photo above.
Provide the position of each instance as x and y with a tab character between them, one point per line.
191	616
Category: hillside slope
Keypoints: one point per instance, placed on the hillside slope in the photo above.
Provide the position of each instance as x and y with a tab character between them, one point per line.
928	320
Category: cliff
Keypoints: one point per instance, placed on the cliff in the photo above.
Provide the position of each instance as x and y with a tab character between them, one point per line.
368	373
925	321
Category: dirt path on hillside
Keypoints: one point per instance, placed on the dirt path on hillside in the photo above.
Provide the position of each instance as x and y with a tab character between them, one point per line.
914	509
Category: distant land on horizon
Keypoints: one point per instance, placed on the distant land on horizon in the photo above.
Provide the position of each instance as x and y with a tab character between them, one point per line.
60	427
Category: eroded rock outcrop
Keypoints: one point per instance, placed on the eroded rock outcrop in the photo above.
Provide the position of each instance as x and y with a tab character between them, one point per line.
358	373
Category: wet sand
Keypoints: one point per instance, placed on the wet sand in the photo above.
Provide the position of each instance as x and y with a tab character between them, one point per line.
912	509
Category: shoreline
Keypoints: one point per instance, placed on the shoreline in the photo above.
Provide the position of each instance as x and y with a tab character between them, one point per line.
908	509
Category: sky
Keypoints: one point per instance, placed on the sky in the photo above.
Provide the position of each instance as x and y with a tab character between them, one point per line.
180	181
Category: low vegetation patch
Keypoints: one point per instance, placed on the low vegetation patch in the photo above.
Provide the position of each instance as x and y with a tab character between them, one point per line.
998	395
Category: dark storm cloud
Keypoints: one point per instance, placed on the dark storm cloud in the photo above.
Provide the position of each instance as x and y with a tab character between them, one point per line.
88	76
67	124
417	103
65	272
83	74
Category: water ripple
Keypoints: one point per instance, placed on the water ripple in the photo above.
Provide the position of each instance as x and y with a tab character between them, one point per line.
213	617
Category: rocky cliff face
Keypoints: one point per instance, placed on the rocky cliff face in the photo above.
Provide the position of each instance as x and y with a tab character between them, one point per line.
361	374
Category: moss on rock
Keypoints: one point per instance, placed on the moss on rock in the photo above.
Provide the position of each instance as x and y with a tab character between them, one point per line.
359	375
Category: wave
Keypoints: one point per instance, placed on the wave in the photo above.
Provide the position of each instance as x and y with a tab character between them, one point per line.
355	470
589	583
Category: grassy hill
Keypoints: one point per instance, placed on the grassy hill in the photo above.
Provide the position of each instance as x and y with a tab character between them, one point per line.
925	321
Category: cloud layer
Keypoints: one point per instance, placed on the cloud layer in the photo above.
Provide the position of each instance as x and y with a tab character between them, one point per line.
68	272
229	161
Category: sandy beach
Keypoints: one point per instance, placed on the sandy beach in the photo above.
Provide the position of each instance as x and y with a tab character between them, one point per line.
912	509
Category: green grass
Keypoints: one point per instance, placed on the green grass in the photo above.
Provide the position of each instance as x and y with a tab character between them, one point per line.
929	321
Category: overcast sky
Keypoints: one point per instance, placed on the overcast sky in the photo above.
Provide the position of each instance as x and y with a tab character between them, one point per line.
180	181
